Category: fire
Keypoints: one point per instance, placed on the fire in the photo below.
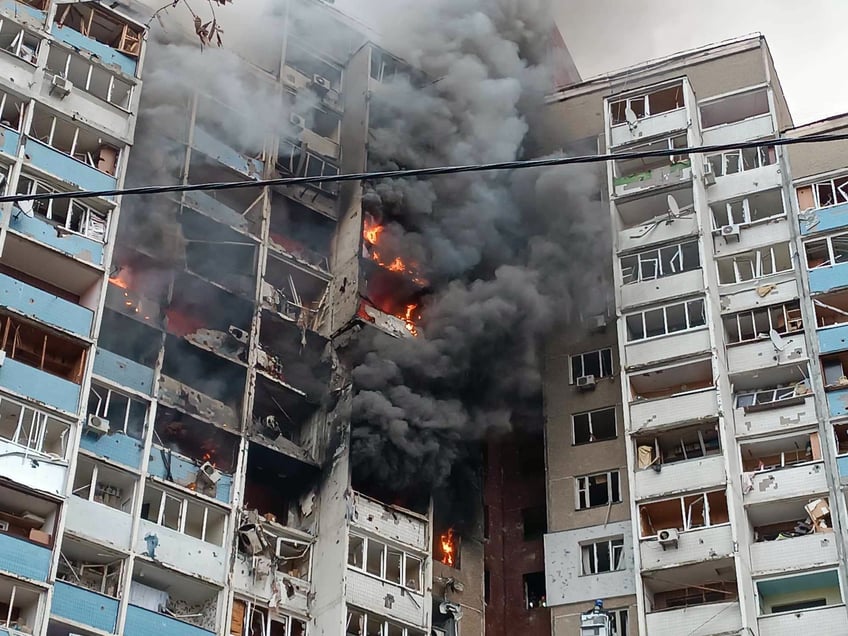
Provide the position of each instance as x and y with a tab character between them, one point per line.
408	319
119	280
372	233
448	547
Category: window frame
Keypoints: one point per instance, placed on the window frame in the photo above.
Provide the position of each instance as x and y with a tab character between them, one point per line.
89	216
778	394
786	308
746	213
831	255
635	273
763	154
406	557
614	545
39	424
582	358
836	190
616	616
105	404
686	511
184	501
582	487
756	262
589	415
665	308
645	99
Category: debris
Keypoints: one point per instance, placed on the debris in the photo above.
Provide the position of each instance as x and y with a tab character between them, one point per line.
765	290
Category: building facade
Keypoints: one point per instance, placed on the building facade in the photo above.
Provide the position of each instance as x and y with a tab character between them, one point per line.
694	435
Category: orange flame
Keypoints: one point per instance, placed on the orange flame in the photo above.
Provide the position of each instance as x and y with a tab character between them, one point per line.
408	319
371	233
448	547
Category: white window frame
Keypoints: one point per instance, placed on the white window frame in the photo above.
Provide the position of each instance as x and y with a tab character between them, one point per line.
92	68
581	485
620	616
758	264
582	357
31	429
280	617
751	314
831	255
687	510
95	488
103	407
589	415
93	224
406	556
615	548
724	159
645	98
6	621
87	159
371	619
691	320
183	501
654	257
19	42
739	213
765	396
836	190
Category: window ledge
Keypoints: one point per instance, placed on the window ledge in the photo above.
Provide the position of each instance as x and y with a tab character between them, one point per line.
777	404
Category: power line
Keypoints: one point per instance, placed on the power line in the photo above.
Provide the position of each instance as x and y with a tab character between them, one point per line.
426	172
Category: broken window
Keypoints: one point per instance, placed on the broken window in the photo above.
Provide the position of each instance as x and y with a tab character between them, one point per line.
166	592
672	380
252	619
677	445
831	309
384	66
18	606
660	262
322	74
823	193
124	414
362	623
98	24
534	521
709	592
100	483
594	426
733	161
80	143
781	452
826	252
293	160
300	232
33	430
597	490
734	108
665	320
19	42
661	100
91	567
635	170
602	556
385	562
595	363
685	513
36	347
618	621
757	207
756	324
184	513
755	264
769	395
88	76
12	110
71	214
835	369
535	594
27	517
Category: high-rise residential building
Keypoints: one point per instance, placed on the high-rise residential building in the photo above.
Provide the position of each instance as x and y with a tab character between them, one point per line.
694	429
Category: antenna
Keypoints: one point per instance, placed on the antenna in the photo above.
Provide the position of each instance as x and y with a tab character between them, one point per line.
778	342
631	118
26	208
673	208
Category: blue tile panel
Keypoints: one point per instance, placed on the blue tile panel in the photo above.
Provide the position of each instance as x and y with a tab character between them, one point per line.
142	622
67	168
9	140
123	371
49	309
117	447
834	217
23	12
837	402
45	232
833	339
24	558
826	279
107	54
184	472
215	148
84	606
39	385
842	465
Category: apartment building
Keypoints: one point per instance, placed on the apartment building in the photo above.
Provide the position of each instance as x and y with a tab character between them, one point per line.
694	429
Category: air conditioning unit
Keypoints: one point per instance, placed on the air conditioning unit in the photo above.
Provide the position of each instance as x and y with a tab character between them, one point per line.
332	99
97	425
320	82
586	382
668	538
709	175
297	120
731	233
289	548
60	86
209	473
240	335
598	323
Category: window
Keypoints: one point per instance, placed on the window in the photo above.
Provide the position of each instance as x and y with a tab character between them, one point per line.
733	161
33	346
100	25
88	76
16	40
596	363
659	101
597	490
594	426
757	207
747	326
361	623
685	513
618	621
385	562
71	214
603	556
733	108
18	606
823	193
103	484
665	320
33	430
293	160
125	414
11	111
535	522
826	252
534	590
184	513
636	170
660	262
754	264
256	621
677	445
80	143
767	396
383	66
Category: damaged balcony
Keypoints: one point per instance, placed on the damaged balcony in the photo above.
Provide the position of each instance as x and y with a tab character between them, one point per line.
392	295
115	426
664	261
834	371
294	159
127	351
656	217
805	603
88	586
294	292
649	113
138	286
102	502
673	395
26	533
785	467
370	623
193	455
182	530
164	602
815	220
762	268
769	351
738	117
13	110
631	176
740	224
394	523
228	157
21	38
286	419
33	447
773	400
745	172
250	618
298	232
679	459
305	70
21	607
827	263
832	321
793	534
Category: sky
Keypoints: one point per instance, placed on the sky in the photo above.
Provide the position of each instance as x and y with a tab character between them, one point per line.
806	38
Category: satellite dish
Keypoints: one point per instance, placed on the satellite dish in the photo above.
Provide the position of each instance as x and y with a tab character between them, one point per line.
778	342
632	120
26	208
673	208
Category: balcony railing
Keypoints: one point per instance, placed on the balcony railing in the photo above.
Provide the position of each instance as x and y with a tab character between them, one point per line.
24	558
69	243
647	127
699	620
67	168
827	219
47	308
693	546
27	381
677	409
104	53
100	523
795	553
143	622
818	620
690	475
651	291
784	483
763	353
85	607
123	371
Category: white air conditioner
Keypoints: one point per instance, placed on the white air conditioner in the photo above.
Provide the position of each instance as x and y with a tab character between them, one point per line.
731	233
668	537
321	82
209	473
238	334
709	175
60	86
97	425
586	382
297	121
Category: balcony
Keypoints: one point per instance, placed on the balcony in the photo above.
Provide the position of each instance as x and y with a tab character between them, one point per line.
833	339
794	414
752	236
662	288
671	175
651	233
677	409
184	552
99	523
51	310
698	620
369	593
167	464
24	558
24	12
85	607
825	279
116	446
694	474
678	345
391	522
785	289
38	385
74	245
66	168
784	483
21	465
221	152
751	356
750	128
816	549
144	622
647	127
123	371
9	140
745	182
103	52
837	402
823	620
694	546
834	217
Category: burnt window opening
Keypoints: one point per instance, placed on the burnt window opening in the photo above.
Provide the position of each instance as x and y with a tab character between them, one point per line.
177	596
531	455
239	208
96	23
594	426
282	412
279	485
27	517
199	441
39	348
148	231
534	522
447	549
229	125
311	64
129	339
189	312
124	413
300	232
296	161
535	595
138	287
293	291
90	566
293	356
205	372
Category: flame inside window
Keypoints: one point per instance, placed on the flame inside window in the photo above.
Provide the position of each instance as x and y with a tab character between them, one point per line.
447	545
